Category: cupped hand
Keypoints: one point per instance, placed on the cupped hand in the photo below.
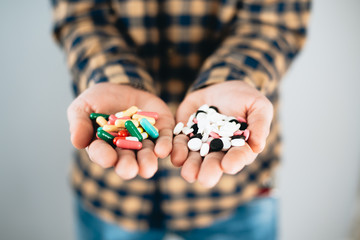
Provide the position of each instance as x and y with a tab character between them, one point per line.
233	98
110	98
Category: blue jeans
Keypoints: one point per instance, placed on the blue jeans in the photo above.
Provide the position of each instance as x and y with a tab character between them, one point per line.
255	220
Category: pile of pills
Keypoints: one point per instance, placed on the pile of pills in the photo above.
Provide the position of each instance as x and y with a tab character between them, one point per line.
126	129
211	131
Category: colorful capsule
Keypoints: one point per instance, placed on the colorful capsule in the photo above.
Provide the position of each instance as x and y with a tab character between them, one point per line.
130	138
107	137
113	118
132	128
139	117
121	122
93	116
110	128
126	144
154	115
128	112
144	122
101	121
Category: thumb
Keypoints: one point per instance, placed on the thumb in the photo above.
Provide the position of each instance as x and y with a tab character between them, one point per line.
81	129
259	121
185	109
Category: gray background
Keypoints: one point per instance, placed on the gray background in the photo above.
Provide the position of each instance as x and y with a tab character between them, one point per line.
320	114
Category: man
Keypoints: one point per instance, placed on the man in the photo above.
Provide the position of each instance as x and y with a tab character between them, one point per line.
230	54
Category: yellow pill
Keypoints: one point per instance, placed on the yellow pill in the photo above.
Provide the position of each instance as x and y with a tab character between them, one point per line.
110	128
130	111
101	121
139	117
141	130
121	122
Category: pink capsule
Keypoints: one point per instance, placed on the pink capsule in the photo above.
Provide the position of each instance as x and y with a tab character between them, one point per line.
195	120
154	115
238	132
113	118
241	119
246	134
126	144
214	135
191	134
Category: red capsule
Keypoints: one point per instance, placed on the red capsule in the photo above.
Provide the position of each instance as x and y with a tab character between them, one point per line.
123	133
154	115
126	144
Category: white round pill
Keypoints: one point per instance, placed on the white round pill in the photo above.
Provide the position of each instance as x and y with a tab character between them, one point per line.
194	144
178	128
237	142
204	150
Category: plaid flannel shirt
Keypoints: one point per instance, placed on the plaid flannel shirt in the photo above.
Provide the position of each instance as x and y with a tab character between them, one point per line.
169	47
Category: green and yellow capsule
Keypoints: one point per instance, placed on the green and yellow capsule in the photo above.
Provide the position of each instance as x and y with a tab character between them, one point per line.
93	116
130	126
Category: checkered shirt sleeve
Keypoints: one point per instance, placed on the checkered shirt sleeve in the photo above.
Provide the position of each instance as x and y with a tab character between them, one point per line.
264	38
96	50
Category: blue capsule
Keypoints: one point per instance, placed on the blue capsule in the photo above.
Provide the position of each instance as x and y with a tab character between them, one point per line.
149	128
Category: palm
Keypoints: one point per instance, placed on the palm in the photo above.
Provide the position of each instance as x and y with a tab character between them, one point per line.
234	98
112	98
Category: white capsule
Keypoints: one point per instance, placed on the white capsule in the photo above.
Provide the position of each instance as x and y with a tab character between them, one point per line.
131	138
227	143
237	142
194	144
178	128
204	150
145	135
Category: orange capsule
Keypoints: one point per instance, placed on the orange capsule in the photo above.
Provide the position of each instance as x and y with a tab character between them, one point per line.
127	144
139	117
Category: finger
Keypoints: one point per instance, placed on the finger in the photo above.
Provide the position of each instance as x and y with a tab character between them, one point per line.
147	159
163	145
210	170
127	167
259	121
81	128
191	167
180	150
236	158
102	153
